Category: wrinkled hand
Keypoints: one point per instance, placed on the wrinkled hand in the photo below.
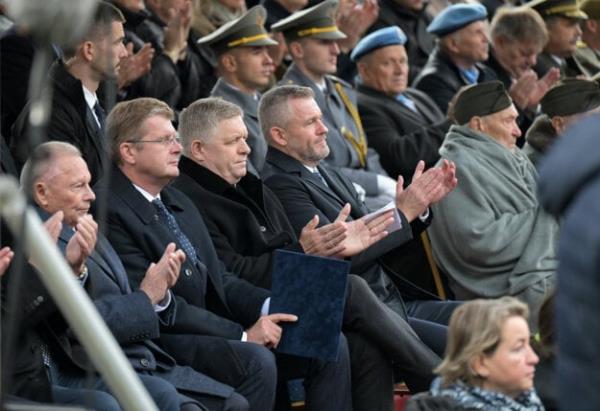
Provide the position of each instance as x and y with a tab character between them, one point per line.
266	332
81	245
528	90
327	240
361	235
354	19
161	276
426	188
135	65
6	256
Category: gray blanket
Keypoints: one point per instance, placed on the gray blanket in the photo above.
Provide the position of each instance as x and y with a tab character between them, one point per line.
490	234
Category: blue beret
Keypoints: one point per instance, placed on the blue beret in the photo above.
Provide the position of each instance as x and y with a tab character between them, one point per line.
455	17
386	36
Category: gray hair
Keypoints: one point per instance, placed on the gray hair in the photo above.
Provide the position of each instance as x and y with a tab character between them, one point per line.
42	159
519	25
200	120
274	110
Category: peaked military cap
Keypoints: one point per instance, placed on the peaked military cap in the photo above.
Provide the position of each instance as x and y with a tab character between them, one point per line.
317	22
387	36
247	30
455	17
563	8
591	8
571	96
480	100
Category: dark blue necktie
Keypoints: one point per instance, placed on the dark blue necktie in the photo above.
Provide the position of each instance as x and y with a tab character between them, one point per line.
182	239
99	111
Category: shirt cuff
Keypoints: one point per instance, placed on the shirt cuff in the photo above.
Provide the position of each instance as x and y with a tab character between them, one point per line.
265	307
244	336
164	304
424	215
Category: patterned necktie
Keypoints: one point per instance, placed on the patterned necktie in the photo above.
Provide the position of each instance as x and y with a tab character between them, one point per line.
407	102
317	174
470	75
99	111
182	239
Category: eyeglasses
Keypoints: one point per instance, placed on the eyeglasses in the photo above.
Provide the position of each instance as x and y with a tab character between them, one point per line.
165	141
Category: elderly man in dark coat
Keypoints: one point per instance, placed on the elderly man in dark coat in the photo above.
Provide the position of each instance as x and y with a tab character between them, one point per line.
456	61
403	124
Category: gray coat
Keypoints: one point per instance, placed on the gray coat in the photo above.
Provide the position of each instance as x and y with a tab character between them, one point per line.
489	234
249	104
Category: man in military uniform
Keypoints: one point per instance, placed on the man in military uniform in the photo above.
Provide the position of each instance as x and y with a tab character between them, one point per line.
587	54
312	37
563	19
244	68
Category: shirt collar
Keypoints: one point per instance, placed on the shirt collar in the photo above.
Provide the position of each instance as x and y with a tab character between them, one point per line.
146	194
90	97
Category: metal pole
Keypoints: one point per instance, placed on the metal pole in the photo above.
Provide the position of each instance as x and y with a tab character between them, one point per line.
73	302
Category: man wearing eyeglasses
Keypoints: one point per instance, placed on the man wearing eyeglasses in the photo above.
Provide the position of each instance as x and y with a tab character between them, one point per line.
145	214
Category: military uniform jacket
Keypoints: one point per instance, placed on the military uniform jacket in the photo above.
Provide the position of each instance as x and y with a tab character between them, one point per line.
336	117
569	67
249	104
401	136
588	60
441	80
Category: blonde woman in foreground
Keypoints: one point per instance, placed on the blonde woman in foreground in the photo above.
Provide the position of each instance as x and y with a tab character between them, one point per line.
489	364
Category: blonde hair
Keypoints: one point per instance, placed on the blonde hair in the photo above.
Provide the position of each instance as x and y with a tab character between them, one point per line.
126	118
476	328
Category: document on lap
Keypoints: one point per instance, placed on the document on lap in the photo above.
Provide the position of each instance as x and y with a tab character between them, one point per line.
314	289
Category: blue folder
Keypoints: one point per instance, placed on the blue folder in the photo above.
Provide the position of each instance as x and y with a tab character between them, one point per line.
314	289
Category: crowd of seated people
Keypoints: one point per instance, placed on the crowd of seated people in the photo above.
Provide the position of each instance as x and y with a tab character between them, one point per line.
188	140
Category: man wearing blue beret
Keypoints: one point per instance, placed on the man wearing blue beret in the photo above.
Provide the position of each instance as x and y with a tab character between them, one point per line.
456	61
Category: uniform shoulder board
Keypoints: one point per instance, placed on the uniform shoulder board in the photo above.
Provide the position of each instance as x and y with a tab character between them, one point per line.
336	79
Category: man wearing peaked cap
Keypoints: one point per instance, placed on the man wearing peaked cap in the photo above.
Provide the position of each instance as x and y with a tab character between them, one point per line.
490	235
563	19
565	103
404	125
312	37
244	68
587	54
456	61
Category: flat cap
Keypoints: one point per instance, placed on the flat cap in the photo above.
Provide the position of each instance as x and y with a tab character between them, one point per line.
480	100
387	36
247	30
591	8
455	17
563	8
571	96
317	22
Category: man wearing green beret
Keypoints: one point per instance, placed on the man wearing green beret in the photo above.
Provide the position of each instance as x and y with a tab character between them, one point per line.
563	105
563	19
312	37
490	235
587	54
244	67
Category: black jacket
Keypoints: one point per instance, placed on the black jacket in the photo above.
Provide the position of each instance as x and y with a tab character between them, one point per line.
401	136
441	80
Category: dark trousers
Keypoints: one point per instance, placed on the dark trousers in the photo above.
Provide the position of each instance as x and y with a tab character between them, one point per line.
327	384
367	315
430	321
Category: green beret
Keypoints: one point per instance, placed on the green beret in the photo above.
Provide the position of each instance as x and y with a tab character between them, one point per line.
480	100
317	22
571	96
247	30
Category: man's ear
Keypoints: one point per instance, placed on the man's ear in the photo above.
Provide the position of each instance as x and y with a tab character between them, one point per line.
197	151
558	123
87	50
476	123
296	50
278	136
40	194
228	62
127	152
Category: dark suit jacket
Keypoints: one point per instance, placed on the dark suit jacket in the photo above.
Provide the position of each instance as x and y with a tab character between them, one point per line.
131	318
71	121
441	80
303	195
229	304
401	136
246	223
